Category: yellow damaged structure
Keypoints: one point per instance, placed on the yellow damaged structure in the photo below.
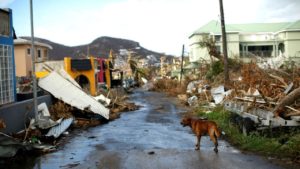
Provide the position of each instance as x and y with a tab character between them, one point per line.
81	70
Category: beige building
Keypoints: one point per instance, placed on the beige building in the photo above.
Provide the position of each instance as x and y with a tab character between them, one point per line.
22	49
246	41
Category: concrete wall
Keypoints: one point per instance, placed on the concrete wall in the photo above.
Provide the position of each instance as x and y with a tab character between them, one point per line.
292	48
233	49
292	44
256	37
197	53
295	35
16	115
23	59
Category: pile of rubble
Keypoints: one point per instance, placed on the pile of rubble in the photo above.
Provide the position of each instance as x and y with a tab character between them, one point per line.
268	97
269	89
71	108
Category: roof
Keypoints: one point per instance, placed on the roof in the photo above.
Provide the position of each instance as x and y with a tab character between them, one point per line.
21	41
215	27
293	26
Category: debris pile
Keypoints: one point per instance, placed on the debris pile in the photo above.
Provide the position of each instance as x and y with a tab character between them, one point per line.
118	103
268	97
72	107
267	89
171	86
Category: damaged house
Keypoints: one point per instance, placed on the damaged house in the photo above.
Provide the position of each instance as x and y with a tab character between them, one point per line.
247	41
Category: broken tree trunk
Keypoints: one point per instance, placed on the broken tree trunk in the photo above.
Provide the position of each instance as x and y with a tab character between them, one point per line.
286	101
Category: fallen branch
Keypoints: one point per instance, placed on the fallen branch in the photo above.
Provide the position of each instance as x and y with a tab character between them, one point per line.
292	109
257	101
292	114
263	97
286	101
280	79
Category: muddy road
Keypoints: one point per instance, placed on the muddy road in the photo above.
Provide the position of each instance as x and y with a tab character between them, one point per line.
148	138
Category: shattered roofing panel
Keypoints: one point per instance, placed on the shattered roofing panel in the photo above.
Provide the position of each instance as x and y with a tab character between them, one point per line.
64	90
57	130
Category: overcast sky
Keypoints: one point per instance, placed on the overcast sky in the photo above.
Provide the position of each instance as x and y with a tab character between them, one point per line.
159	25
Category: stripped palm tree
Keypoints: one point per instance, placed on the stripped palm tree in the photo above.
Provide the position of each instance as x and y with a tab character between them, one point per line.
137	72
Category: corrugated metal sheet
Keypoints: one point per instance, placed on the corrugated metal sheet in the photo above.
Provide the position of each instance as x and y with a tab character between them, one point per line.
64	90
57	130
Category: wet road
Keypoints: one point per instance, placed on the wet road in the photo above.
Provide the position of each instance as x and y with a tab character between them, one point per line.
148	138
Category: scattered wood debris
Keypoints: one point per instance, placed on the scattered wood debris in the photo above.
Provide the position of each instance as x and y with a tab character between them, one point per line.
274	90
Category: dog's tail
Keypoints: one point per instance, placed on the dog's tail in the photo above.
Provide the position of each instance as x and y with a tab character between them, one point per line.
217	132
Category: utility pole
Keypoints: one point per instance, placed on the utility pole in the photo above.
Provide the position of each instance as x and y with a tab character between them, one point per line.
33	65
181	67
88	51
224	45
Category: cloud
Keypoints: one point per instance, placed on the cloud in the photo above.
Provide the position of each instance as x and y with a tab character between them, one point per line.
159	25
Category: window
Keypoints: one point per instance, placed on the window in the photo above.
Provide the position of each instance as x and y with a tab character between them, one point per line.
281	47
6	75
4	23
46	54
262	51
218	49
217	38
28	51
39	53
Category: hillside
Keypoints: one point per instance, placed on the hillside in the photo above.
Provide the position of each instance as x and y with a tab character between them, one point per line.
100	47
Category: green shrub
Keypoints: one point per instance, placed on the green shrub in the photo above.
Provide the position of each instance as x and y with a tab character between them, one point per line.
215	69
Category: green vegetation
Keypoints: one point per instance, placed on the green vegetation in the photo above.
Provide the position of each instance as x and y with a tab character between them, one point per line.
215	69
279	143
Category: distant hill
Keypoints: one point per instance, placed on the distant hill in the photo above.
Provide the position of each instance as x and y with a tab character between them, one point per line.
100	47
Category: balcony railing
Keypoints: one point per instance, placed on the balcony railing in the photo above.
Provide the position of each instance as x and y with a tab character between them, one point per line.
261	53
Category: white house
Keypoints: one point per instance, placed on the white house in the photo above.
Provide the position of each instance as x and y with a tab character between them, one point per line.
265	40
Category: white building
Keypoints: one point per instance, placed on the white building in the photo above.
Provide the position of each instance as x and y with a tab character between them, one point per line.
265	40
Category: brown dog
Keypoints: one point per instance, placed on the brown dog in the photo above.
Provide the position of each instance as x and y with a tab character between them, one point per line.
202	127
2	124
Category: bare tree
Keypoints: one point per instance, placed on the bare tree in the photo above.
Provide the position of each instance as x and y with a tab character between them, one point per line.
210	44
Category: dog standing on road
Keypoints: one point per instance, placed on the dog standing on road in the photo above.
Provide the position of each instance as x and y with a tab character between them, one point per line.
202	127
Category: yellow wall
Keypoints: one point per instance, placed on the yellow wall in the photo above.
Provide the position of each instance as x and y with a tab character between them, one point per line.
89	74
